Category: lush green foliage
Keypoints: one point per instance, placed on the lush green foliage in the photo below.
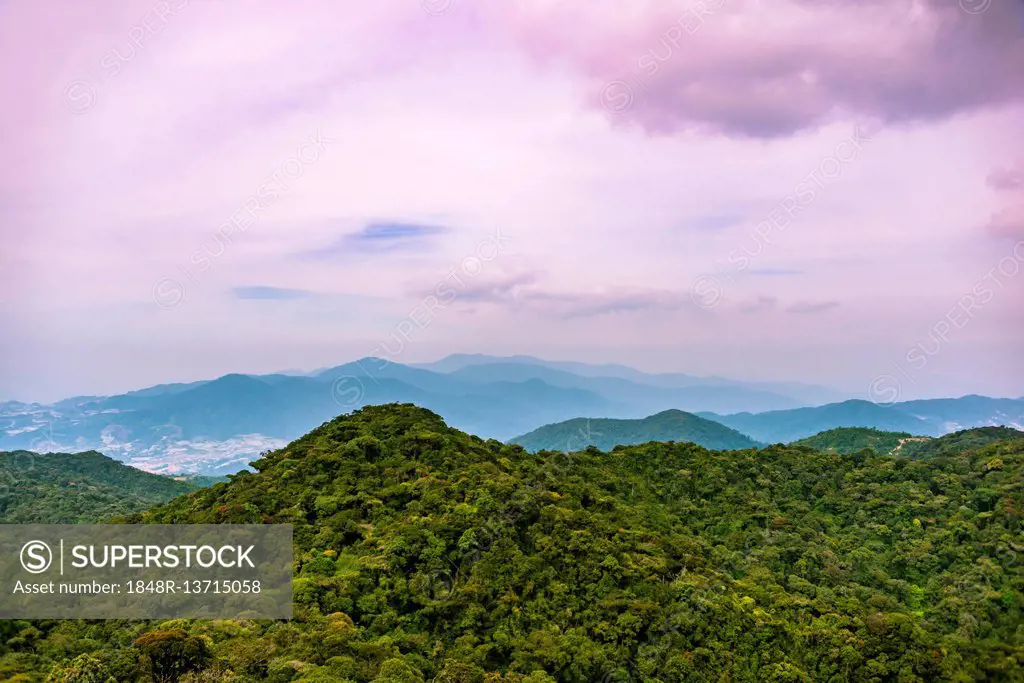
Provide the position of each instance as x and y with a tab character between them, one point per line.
854	439
957	442
670	425
66	488
426	554
849	440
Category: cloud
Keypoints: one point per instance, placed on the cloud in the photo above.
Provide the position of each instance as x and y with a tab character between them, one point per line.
774	272
714	222
1008	181
763	303
396	232
812	307
1008	178
522	291
585	305
1008	221
382	237
497	290
752	69
262	292
481	119
568	305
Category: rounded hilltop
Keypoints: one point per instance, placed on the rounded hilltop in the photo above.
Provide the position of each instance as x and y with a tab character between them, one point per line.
424	550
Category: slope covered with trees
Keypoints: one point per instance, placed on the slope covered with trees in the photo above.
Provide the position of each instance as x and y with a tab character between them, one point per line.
605	434
67	488
957	442
423	553
855	439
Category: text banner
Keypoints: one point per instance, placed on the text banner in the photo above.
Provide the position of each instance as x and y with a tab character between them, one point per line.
145	571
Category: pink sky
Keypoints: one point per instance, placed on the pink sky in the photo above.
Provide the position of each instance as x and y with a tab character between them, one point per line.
767	190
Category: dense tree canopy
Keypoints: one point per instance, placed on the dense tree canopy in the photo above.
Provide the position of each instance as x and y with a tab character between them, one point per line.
423	553
606	433
958	442
67	488
848	440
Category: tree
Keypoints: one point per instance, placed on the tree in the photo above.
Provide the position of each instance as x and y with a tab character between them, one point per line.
82	669
172	654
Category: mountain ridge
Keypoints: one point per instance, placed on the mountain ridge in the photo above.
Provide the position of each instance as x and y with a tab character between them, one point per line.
926	417
607	433
215	426
425	553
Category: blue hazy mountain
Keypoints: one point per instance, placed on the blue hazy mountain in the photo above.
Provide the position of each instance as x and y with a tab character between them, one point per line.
218	426
767	395
932	417
952	414
643	399
221	424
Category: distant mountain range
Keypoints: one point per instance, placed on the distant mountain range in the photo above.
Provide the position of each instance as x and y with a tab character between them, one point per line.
920	418
762	393
218	426
605	434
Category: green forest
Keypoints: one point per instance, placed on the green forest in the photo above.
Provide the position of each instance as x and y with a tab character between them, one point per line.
957	442
849	440
854	439
69	488
426	554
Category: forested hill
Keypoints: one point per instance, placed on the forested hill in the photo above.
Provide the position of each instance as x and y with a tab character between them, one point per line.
854	439
423	553
66	488
957	442
669	425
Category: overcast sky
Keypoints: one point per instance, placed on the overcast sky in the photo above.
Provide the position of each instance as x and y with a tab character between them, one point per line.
825	191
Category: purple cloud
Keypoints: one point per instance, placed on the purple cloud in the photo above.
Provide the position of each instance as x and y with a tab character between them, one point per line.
770	70
813	307
1008	220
